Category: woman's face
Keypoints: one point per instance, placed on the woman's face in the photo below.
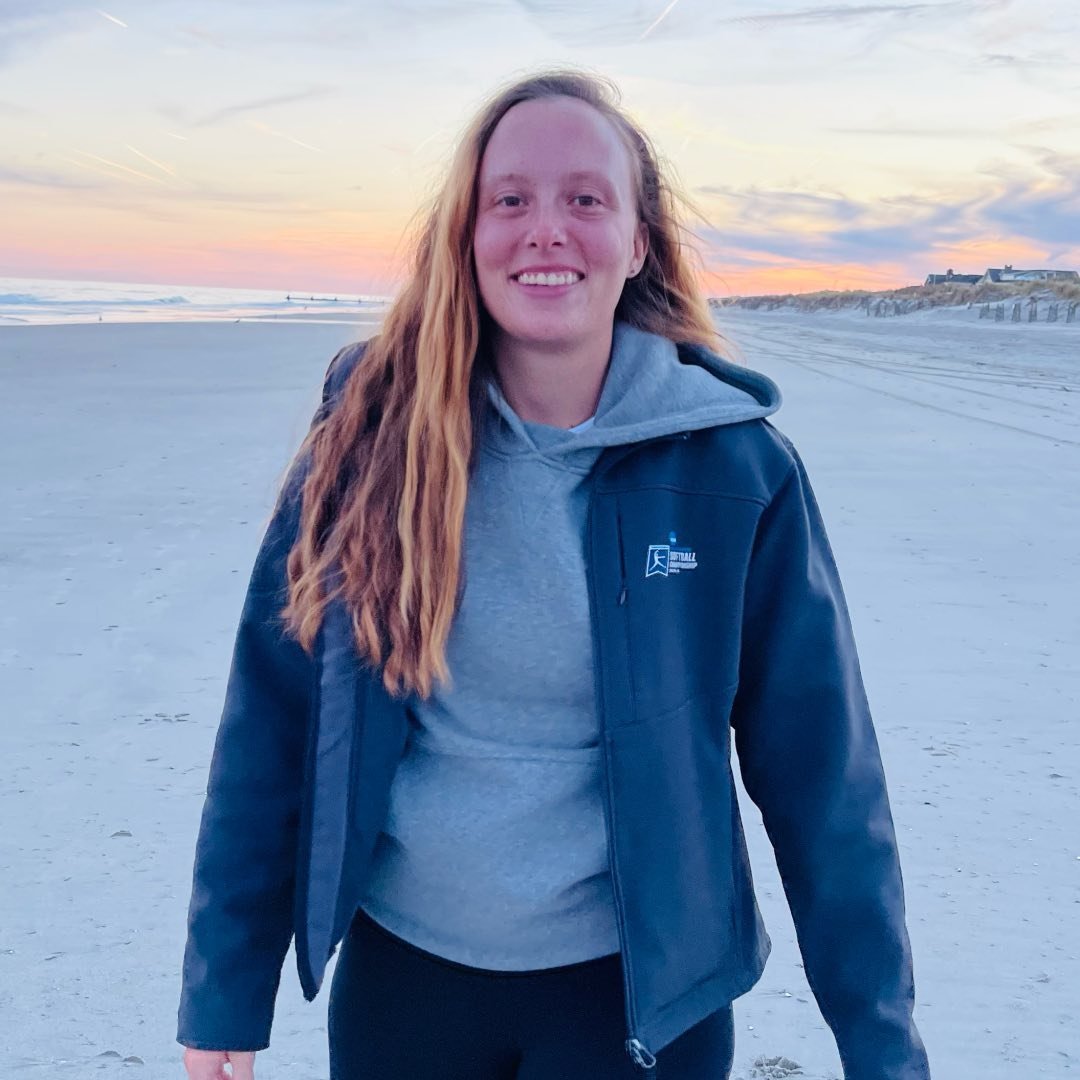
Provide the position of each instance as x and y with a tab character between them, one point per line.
556	197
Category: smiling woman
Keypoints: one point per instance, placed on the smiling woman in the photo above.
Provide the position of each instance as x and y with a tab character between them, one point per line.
540	557
557	237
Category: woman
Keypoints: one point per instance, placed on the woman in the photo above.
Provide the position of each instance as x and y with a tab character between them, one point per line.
539	555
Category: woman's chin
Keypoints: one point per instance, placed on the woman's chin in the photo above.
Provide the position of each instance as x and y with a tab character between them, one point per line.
550	330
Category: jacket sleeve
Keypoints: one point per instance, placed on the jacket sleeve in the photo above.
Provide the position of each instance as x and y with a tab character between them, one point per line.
810	761
240	918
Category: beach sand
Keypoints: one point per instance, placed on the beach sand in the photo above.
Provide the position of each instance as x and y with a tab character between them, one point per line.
139	466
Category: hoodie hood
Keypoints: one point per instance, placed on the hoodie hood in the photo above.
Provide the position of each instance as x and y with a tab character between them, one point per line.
648	392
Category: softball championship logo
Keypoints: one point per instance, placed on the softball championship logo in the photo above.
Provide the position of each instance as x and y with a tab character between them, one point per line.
667	559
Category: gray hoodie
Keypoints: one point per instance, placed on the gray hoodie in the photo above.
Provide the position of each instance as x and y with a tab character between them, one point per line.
494	853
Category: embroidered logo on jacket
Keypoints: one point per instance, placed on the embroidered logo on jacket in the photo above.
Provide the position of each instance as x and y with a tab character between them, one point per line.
667	559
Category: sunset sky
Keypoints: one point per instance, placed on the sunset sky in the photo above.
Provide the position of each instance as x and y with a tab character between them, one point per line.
288	145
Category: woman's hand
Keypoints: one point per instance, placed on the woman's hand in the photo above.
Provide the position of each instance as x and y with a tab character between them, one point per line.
210	1064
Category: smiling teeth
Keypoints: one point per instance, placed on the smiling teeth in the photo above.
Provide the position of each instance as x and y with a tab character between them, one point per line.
548	279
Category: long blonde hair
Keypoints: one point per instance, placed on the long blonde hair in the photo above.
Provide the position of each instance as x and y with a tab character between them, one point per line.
385	491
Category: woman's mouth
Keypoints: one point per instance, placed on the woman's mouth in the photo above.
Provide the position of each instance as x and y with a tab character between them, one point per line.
548	284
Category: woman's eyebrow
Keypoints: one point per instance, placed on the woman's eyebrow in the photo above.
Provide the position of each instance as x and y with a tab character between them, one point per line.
502	178
588	174
574	177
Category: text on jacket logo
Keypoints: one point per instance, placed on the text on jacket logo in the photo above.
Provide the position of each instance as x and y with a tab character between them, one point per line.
667	559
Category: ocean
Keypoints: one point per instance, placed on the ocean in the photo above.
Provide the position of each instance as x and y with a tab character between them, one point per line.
29	301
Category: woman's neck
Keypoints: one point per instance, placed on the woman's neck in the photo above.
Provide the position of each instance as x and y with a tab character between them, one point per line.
552	385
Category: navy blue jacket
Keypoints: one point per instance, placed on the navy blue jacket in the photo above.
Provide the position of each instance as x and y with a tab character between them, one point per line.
756	641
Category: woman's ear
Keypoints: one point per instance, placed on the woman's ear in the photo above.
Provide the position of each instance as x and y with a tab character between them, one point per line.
641	249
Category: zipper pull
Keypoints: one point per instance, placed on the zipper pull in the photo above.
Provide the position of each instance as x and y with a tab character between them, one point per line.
622	596
640	1054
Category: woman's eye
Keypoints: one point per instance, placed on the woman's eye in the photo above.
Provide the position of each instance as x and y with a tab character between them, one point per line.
501	200
593	200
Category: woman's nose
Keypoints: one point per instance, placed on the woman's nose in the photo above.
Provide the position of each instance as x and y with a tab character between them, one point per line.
546	228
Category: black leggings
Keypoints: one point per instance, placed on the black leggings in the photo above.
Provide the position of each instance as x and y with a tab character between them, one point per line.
400	1013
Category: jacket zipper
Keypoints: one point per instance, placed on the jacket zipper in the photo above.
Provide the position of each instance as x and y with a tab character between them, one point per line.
622	559
638	1051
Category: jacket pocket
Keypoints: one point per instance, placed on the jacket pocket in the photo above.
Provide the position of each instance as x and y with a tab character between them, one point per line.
673	846
686	557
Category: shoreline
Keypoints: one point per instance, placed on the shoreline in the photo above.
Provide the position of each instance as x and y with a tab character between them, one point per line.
6	322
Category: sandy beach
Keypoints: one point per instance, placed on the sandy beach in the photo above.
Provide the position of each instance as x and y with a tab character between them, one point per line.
139	465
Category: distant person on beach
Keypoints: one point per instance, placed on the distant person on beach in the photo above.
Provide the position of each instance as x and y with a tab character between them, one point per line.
538	558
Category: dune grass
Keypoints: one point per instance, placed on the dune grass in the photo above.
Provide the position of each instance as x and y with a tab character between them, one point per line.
946	295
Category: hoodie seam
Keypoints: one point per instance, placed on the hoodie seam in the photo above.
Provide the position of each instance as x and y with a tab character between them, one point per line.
531	454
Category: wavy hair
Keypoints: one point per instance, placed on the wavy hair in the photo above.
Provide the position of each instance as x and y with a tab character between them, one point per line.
387	470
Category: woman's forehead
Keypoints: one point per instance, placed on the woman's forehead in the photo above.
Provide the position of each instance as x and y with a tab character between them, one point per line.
554	139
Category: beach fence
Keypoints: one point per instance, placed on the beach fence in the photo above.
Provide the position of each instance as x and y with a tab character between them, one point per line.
886	308
1004	310
1011	310
1052	307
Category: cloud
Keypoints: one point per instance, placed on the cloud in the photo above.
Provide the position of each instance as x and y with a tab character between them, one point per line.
610	23
111	18
406	13
755	206
202	35
614	23
1039	62
951	134
775	226
266	129
332	24
23	26
607	23
846	13
973	133
1047	123
1045	209
40	179
227	112
103	185
1051	70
